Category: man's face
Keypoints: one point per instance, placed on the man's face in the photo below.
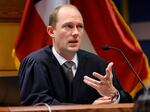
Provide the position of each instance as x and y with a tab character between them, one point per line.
69	30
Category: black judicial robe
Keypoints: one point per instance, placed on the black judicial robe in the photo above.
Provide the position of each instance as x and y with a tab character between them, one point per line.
42	79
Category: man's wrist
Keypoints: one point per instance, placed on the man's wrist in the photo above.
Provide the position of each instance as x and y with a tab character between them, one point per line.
115	96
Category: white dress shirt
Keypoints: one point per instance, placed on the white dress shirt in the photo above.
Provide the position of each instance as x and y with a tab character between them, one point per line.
62	60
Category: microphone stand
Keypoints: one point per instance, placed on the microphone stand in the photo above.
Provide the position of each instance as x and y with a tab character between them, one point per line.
135	73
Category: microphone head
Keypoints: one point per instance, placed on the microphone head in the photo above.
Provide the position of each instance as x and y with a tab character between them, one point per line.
105	47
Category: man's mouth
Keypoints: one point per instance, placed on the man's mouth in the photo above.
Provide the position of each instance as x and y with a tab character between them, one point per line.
73	41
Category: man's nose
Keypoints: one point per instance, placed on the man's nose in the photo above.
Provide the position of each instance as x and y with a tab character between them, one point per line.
75	31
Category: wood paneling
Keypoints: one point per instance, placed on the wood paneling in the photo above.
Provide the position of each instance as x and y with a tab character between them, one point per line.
11	10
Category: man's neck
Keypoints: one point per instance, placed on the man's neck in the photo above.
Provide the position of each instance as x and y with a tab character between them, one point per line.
67	55
61	59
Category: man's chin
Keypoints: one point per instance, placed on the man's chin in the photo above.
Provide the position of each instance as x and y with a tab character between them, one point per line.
73	49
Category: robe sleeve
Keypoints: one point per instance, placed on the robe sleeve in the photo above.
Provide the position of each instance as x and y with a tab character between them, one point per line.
34	83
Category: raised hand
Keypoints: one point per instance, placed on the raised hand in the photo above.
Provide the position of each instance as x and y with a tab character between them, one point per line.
103	85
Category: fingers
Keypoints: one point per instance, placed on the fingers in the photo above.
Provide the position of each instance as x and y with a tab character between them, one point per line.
103	100
104	84
98	76
109	71
91	82
108	74
109	66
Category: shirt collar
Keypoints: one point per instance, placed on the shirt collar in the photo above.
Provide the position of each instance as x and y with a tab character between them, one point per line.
62	60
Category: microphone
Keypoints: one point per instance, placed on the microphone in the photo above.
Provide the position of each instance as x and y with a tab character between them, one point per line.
106	47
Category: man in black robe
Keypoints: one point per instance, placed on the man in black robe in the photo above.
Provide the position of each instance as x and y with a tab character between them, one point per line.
43	79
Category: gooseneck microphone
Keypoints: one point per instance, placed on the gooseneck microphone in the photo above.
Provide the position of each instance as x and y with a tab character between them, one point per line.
106	47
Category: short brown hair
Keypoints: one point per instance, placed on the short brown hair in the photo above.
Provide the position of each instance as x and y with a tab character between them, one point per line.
53	16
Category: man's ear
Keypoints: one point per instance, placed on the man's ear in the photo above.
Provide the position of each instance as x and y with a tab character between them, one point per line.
50	31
